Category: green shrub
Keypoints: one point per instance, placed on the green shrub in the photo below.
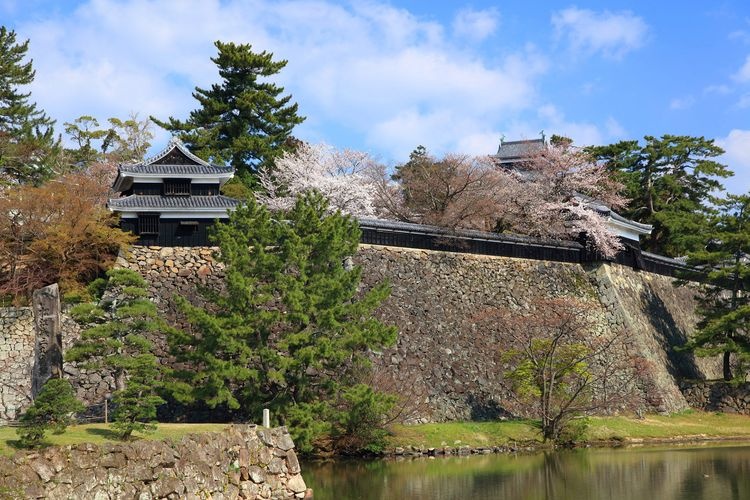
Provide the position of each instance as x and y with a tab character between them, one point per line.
53	409
96	288
360	423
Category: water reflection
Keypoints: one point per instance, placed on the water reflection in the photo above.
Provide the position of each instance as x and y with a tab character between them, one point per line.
714	473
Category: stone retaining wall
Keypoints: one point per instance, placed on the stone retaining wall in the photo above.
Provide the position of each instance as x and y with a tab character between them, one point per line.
16	360
451	362
241	462
717	395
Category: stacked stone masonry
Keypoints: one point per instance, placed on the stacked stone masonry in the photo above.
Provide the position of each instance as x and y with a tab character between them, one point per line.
242	462
717	395
448	359
16	360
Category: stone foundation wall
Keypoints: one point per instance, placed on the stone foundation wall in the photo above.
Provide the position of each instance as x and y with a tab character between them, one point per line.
717	395
446	355
448	359
242	462
17	336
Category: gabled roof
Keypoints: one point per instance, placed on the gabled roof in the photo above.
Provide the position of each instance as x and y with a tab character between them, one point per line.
518	151
174	161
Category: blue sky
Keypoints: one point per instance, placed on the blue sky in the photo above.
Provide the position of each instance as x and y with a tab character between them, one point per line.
388	76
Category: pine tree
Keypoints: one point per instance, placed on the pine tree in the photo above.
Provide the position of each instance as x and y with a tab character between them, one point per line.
243	120
670	181
724	327
291	330
117	343
28	149
53	409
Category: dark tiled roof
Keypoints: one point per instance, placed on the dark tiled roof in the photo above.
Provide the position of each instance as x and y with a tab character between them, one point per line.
519	150
175	159
139	201
174	169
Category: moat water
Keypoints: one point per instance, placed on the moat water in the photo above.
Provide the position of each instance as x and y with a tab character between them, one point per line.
711	472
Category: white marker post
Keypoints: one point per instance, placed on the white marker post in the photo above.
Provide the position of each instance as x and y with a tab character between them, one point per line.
266	417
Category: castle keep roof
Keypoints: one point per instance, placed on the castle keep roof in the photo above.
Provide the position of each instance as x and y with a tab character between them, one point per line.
174	164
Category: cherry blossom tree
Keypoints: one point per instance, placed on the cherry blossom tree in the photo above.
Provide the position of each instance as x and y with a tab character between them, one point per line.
561	193
341	176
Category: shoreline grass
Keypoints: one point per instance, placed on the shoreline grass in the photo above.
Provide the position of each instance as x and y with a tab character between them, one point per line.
101	433
680	427
603	431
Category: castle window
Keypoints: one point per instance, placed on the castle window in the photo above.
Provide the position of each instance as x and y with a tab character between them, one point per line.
148	223
177	187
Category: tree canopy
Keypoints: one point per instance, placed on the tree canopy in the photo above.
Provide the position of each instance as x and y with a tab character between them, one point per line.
244	120
291	330
670	181
724	304
28	148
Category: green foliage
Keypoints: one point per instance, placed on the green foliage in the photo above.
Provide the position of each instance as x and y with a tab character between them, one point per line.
243	121
53	409
360	421
724	304
550	372
96	288
135	405
116	341
28	148
670	182
292	327
123	141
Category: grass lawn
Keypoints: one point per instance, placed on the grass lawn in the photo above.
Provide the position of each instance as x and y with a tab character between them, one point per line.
100	433
691	425
683	426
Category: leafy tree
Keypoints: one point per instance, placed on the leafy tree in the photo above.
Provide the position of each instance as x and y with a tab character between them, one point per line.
669	181
455	191
724	308
291	330
28	149
117	342
53	409
129	139
243	120
59	232
558	364
124	140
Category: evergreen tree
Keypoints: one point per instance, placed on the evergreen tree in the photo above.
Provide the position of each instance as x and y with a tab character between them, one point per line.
670	181
117	343
28	149
243	120
291	331
123	142
53	409
724	327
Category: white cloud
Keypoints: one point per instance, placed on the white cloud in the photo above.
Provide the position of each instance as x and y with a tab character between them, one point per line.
720	89
737	147
476	25
553	121
611	34
680	103
378	72
743	74
744	101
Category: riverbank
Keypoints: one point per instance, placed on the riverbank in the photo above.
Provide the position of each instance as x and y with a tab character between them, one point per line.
462	438
457	438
